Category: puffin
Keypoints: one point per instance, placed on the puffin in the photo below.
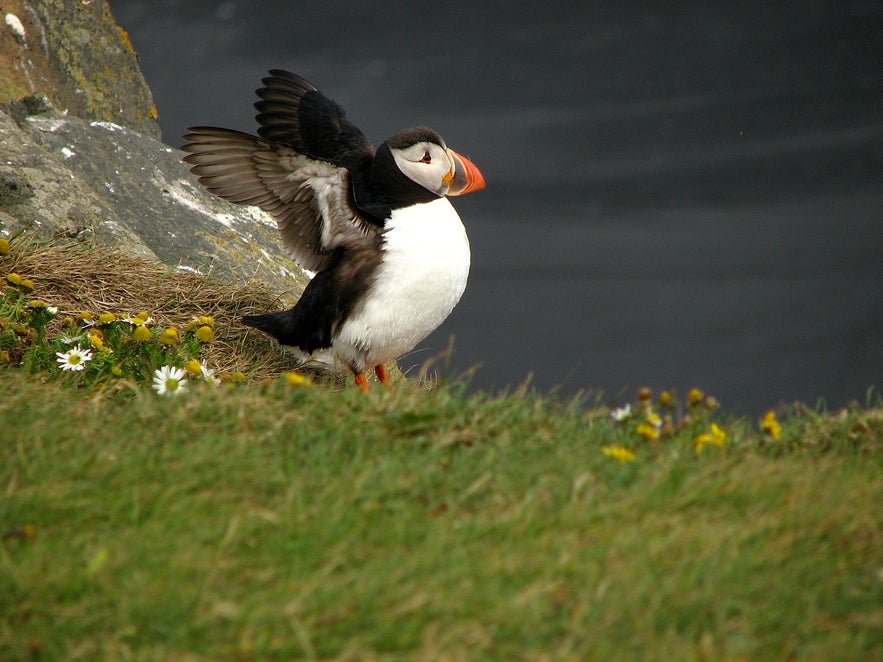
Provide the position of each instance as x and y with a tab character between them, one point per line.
389	253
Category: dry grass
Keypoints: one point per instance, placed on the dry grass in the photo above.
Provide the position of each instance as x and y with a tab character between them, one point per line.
77	277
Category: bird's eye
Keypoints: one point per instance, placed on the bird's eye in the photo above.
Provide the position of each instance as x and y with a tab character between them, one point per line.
426	158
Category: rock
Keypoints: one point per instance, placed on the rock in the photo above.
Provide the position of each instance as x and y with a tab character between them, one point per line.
73	53
97	171
100	181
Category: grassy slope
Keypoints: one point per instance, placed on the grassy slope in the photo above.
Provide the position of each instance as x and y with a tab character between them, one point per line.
273	522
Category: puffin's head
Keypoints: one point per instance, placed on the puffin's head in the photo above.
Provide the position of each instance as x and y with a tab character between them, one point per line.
422	156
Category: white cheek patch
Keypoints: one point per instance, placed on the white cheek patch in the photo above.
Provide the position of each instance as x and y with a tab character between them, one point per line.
429	175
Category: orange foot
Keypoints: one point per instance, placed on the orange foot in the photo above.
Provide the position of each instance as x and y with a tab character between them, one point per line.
383	376
361	382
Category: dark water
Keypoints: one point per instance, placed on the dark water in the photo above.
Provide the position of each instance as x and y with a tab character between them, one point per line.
679	194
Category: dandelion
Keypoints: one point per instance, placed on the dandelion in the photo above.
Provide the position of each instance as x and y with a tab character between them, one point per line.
169	380
297	379
41	306
201	369
4	246
649	431
96	339
667	400
621	413
194	367
770	424
75	359
714	437
620	453
695	397
205	333
141	334
169	336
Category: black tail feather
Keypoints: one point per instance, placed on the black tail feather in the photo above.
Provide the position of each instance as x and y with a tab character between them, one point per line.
279	325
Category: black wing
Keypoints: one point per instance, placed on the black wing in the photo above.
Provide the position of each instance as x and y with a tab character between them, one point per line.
294	112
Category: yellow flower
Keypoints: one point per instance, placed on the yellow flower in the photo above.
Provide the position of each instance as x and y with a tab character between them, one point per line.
205	320
297	379
143	316
106	318
649	431
770	424
5	357
695	397
141	333
620	453
13	279
205	333
169	336
4	246
667	400
84	316
714	437
194	367
654	419
37	303
27	283
237	377
96	340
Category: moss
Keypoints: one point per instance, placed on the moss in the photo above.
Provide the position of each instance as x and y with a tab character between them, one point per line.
10	90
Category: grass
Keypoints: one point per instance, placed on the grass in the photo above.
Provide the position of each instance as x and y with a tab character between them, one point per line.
270	521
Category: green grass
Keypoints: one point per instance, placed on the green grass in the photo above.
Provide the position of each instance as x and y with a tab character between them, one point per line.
272	522
261	520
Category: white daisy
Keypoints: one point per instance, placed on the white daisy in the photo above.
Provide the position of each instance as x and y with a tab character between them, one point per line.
208	374
137	320
621	413
169	380
75	359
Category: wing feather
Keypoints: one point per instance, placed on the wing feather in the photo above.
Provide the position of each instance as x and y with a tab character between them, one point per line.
309	198
293	111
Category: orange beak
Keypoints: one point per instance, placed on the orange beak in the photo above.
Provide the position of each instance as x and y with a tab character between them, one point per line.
466	177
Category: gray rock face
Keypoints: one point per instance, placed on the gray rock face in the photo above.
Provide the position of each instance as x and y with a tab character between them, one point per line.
95	180
80	154
74	54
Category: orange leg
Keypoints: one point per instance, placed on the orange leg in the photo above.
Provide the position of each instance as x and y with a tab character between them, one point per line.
361	382
383	376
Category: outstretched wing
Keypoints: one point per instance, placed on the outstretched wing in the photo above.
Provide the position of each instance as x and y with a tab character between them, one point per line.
294	112
309	197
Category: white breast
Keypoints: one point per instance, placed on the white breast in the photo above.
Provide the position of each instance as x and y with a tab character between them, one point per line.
422	277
